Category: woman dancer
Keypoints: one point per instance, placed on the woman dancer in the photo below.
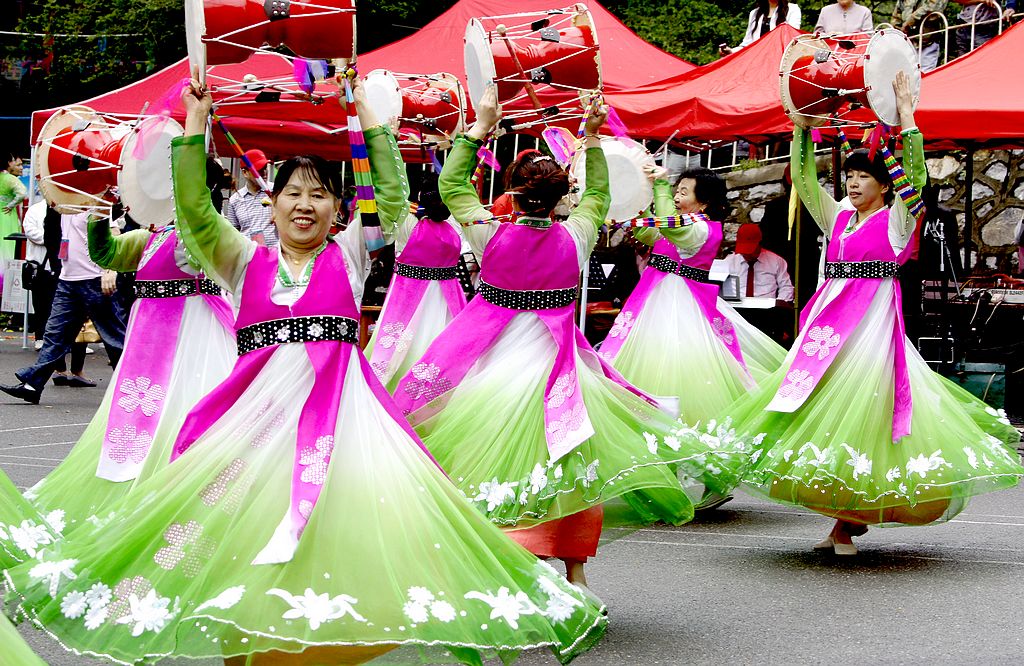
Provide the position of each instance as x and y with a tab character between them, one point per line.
179	345
765	17
12	193
301	514
512	400
424	294
712	356
855	425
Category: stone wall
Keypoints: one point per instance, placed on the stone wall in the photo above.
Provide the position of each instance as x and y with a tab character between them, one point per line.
998	198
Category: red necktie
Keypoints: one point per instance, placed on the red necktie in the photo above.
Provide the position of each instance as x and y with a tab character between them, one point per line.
750	277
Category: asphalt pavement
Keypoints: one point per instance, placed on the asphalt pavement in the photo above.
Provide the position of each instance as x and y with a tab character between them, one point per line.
740	585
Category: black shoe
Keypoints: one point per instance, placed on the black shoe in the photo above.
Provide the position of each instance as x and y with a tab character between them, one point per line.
75	381
22	391
60	380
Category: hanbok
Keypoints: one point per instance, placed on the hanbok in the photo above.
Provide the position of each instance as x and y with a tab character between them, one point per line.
179	345
23	530
423	297
15	651
12	192
855	425
675	337
301	512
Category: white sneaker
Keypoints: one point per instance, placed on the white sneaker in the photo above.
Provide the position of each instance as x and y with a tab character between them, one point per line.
39	345
89	350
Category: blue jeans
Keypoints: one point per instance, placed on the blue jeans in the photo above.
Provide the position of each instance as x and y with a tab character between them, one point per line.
73	303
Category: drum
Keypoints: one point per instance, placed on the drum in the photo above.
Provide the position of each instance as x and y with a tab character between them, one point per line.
218	32
543	60
430	107
822	78
628	162
84	161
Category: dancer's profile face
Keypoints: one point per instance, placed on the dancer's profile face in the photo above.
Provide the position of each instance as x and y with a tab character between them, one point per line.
685	197
304	211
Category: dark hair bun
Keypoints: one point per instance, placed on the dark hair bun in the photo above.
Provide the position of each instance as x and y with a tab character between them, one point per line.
537	182
709	189
432	207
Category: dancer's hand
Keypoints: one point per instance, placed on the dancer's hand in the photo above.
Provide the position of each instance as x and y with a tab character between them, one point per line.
594	123
198	102
488	113
905	100
108	282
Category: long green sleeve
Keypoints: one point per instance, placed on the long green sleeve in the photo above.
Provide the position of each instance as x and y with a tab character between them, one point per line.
390	183
820	205
916	169
688	239
117	253
454	184
220	249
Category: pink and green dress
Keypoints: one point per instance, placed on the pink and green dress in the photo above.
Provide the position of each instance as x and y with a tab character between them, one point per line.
676	337
12	193
855	424
528	421
423	297
179	345
300	510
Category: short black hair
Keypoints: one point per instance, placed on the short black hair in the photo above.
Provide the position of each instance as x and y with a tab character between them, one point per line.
315	168
709	189
860	160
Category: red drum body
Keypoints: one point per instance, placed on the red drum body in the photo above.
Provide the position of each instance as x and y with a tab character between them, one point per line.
420	108
230	30
546	58
823	77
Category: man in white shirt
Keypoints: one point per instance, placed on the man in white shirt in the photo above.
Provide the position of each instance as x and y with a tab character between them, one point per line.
84	290
245	209
769	276
843	18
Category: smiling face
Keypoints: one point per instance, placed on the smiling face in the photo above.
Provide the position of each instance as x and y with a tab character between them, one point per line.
686	198
14	167
865	192
304	211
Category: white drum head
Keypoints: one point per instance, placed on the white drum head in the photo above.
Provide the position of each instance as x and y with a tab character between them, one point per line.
195	30
631	190
384	96
145	182
479	61
889	52
799	47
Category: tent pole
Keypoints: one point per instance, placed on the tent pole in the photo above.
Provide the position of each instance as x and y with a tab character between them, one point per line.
969	214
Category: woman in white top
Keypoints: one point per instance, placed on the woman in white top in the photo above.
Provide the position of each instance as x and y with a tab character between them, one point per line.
844	17
764	18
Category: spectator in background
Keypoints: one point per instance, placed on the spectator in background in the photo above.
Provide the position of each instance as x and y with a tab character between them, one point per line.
911	16
844	17
215	181
762	273
979	16
83	291
12	193
1011	9
764	18
245	209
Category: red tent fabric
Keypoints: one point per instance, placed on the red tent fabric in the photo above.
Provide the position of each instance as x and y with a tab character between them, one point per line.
976	100
736	97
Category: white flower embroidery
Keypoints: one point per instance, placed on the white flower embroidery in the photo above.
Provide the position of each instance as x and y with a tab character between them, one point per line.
127	443
505	605
787	454
591	474
652	442
562	389
420	595
98	595
622	326
723	328
443	611
893	474
415	612
96	616
999	414
921	465
395	335
142	394
318	609
800	384
672	442
427	382
558	473
538	479
822	340
988	462
315	330
567	423
148	613
496	493
860	463
55	519
524	497
225	600
759	438
972	457
73	605
52	572
561	605
820	457
283	334
29	537
316	459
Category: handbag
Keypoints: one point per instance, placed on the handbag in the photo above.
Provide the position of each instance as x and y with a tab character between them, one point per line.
88	333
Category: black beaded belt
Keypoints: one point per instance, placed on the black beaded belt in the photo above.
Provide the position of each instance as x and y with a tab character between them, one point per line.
875	270
425	273
175	288
297	329
517	299
666	264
